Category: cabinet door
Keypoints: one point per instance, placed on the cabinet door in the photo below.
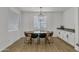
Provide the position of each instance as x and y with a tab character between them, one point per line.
65	36
58	34
61	34
72	38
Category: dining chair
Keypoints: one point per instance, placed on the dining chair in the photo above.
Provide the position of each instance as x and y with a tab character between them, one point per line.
27	38
49	37
51	34
34	37
42	37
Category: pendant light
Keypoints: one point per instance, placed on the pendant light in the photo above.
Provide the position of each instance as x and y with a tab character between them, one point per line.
40	18
41	11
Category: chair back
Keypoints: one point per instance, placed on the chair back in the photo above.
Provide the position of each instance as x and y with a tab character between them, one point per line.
25	34
51	34
42	35
34	35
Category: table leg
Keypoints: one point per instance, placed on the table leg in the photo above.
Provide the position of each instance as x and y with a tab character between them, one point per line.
38	39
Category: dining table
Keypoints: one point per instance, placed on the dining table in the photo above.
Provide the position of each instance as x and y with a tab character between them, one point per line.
38	32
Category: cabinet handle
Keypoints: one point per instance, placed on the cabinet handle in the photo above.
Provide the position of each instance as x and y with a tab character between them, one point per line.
67	36
59	32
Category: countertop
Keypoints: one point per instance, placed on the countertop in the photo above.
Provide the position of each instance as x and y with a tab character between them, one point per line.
67	29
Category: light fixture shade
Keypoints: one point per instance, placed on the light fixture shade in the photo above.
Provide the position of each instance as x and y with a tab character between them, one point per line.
41	12
41	16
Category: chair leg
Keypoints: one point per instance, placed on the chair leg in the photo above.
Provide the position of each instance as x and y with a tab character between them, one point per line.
52	41
25	41
30	40
46	40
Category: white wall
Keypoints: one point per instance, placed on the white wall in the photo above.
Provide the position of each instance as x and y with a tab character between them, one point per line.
3	26
13	25
68	18
53	20
6	37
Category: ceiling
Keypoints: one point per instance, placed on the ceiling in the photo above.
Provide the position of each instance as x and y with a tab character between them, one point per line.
44	9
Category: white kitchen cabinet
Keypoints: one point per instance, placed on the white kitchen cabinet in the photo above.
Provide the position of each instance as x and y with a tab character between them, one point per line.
71	38
65	36
60	34
68	37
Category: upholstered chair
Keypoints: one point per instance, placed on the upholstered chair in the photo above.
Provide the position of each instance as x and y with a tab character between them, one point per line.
42	37
34	37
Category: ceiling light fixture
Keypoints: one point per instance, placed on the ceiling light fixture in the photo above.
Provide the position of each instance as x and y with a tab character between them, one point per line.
41	11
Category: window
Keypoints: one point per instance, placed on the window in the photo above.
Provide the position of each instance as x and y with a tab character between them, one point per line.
40	23
13	22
